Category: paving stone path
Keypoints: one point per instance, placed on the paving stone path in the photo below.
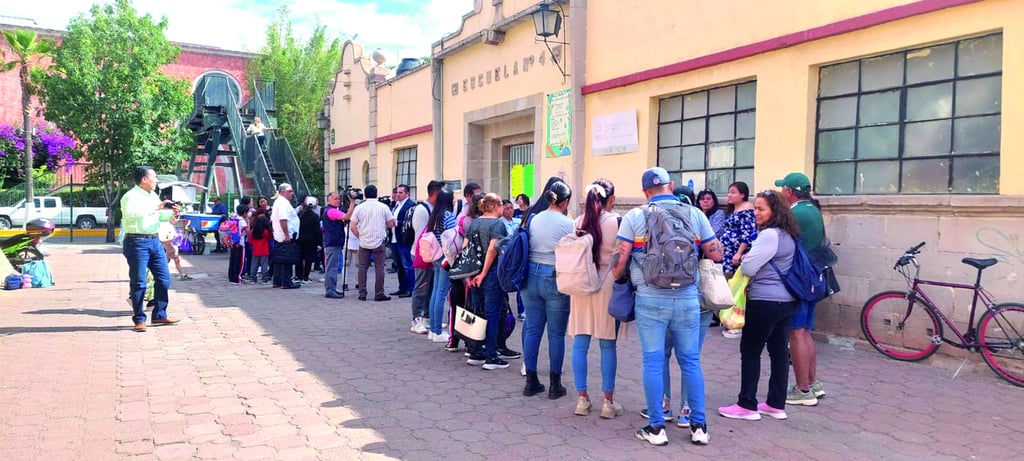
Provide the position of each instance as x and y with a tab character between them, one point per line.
253	373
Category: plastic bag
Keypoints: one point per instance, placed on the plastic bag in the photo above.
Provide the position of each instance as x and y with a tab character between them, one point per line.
733	318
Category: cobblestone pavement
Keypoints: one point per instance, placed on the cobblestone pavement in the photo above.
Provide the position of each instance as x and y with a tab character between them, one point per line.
257	373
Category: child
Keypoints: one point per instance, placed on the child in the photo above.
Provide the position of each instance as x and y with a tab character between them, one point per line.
237	250
261	246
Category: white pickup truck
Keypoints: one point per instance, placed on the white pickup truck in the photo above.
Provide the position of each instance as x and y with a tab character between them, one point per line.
52	208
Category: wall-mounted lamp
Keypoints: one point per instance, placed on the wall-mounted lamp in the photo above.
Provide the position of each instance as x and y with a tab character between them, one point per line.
323	122
548	23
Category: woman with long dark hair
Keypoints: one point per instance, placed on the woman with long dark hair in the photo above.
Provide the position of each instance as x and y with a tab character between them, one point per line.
737	233
588	315
541	204
441	219
545	305
769	310
708	203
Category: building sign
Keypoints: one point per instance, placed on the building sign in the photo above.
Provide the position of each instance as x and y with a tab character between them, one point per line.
502	72
559	124
615	133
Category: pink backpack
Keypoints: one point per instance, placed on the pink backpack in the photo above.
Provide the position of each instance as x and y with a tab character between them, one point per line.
428	248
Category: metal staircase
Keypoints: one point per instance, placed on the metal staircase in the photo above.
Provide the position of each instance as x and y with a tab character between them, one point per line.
221	143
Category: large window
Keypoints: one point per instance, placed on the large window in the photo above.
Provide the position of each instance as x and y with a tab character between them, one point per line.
405	171
708	136
921	121
343	171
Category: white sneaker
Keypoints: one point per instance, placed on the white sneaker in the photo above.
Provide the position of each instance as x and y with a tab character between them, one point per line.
655	436
732	334
699	434
417	326
441	338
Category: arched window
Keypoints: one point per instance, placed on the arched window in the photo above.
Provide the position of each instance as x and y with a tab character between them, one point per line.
234	87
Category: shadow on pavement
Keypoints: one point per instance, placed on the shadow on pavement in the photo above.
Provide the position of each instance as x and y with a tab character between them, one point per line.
93	312
67	329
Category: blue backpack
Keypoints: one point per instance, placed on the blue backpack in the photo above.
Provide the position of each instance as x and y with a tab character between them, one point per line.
40	272
805	281
514	259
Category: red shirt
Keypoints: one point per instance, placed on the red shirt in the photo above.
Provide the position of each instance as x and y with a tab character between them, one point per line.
261	247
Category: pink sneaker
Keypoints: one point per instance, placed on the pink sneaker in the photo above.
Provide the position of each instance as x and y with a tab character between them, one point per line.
737	412
771	412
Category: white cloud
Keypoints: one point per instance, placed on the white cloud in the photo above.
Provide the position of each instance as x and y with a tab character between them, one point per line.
241	25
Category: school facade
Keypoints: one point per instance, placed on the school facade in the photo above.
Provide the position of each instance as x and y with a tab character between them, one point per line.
895	109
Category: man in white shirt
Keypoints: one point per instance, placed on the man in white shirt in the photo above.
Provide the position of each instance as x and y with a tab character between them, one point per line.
285	223
370	222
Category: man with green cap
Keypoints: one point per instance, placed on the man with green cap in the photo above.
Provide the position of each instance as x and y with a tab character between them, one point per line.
796	188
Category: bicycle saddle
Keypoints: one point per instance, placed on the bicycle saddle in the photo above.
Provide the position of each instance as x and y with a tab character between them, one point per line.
979	263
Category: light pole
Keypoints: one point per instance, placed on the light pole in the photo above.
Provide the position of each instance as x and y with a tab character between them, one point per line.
27	135
324	123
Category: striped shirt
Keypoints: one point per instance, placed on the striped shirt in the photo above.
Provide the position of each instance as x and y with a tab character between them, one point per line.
371	219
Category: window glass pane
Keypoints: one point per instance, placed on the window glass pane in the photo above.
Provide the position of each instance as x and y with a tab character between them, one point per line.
834	178
980	55
693	157
835	145
746	96
745	175
928	176
745	125
836	113
930	64
693	131
881	72
676	176
719	180
838	79
671	109
979	96
926	138
695	104
696	176
880	108
723	100
721	128
745	152
721	155
976	175
930	102
878	177
878	142
669	158
976	134
668	135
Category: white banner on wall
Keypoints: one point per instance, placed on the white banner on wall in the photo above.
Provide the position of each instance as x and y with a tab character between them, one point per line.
615	133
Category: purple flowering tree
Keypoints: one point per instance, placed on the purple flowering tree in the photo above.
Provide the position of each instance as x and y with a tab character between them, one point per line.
52	149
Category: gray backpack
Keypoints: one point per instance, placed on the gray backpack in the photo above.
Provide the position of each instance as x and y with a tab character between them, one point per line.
671	252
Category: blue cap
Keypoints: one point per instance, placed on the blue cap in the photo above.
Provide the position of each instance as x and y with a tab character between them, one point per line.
655	177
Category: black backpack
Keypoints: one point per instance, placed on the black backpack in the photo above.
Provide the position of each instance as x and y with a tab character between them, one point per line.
407	235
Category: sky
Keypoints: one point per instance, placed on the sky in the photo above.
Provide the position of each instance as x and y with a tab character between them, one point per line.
401	28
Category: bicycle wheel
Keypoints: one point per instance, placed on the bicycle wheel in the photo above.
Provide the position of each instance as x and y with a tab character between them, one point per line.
899	328
1001	334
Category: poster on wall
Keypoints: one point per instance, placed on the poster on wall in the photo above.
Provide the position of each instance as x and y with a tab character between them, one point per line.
559	124
615	133
521	180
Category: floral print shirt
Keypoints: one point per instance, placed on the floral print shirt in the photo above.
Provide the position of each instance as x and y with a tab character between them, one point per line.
738	228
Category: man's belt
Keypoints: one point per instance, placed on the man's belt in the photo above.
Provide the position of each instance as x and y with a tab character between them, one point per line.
140	236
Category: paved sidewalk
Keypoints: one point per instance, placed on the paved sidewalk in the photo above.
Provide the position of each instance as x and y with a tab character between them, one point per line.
257	373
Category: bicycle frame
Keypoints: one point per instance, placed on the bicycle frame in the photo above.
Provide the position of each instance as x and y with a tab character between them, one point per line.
965	340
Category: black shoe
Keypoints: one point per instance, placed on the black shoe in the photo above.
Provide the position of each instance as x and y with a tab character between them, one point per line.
382	298
654	435
533	385
335	295
405	294
556	389
509	354
292	286
344	287
362	297
396	293
476	359
495	364
391	271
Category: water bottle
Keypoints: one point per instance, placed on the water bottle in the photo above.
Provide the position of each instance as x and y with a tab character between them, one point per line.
26	280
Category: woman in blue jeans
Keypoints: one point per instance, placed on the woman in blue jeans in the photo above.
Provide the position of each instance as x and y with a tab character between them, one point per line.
488	229
545	306
441	219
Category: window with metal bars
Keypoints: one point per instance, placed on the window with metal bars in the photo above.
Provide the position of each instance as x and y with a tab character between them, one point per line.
343	171
708	136
918	121
405	169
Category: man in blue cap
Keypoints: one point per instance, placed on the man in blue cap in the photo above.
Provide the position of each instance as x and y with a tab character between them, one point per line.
796	188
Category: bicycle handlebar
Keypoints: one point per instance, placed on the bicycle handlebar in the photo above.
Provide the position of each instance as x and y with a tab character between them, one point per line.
915	249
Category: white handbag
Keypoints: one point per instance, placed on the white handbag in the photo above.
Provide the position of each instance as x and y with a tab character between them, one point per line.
470	325
715	294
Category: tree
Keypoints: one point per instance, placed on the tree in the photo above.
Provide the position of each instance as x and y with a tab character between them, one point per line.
302	73
27	48
106	89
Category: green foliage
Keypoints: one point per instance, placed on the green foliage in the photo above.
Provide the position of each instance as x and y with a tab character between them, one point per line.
106	88
302	73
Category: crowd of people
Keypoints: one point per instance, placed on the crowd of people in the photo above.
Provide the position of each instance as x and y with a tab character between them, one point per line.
748	237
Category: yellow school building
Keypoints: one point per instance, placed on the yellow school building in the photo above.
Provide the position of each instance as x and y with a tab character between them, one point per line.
894	109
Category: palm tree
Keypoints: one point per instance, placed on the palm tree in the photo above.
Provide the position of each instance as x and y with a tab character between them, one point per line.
26	48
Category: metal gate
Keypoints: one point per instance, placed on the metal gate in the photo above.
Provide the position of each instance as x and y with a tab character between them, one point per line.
520	162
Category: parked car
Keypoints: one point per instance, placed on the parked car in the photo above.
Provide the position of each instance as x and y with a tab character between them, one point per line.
54	209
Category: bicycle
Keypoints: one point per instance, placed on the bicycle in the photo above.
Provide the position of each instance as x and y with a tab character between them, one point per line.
906	325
